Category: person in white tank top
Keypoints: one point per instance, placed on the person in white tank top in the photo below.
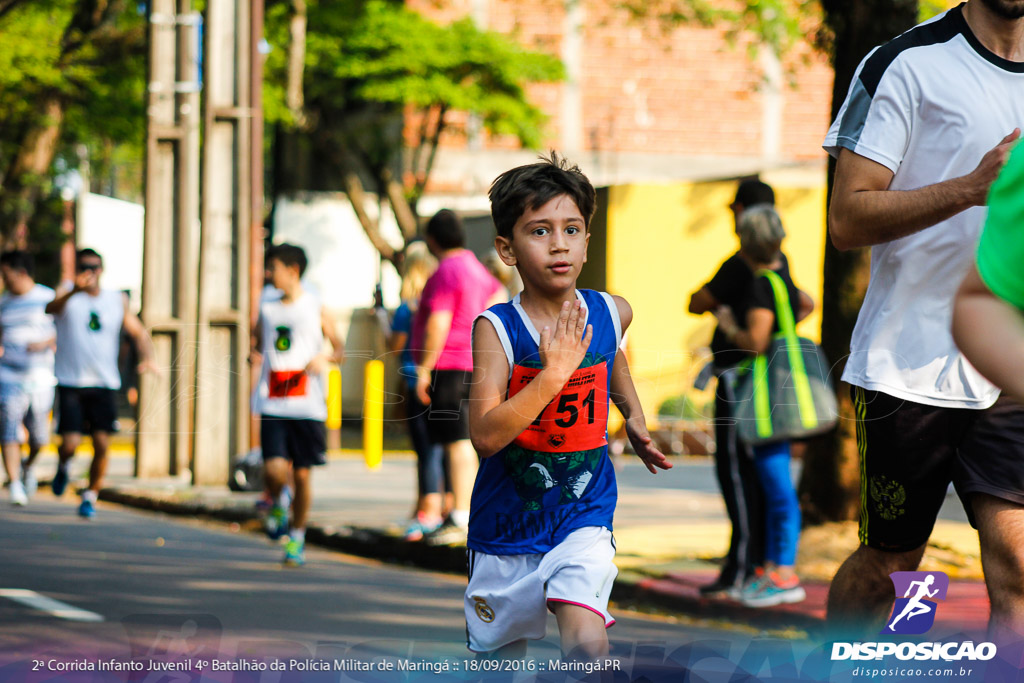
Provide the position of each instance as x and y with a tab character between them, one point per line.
288	342
89	321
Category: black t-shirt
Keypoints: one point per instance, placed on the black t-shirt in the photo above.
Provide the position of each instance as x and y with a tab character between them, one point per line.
735	286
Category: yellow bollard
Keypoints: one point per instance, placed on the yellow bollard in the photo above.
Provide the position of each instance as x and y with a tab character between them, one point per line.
334	399
373	414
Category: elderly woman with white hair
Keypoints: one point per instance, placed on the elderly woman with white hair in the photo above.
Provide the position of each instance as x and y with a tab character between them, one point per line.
752	328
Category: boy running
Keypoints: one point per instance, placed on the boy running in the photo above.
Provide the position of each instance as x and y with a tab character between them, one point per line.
544	366
288	339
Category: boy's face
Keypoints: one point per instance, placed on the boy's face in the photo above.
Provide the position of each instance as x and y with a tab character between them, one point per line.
281	275
548	245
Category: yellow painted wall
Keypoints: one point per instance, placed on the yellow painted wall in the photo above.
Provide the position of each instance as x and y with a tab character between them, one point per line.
666	241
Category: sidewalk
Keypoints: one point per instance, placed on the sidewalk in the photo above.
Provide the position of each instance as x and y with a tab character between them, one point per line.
667	539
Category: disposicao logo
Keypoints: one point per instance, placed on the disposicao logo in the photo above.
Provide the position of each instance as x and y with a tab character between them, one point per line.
916	596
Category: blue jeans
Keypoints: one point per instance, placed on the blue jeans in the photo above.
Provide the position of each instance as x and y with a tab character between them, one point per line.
430	469
782	509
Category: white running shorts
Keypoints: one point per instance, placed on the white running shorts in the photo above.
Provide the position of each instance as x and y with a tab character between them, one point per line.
508	595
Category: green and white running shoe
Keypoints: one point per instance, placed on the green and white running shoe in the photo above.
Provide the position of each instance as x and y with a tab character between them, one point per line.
275	524
294	553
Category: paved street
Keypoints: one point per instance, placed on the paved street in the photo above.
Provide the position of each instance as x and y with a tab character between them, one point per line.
134	585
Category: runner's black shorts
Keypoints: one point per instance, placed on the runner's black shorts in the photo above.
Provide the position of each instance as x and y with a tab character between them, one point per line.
909	453
448	413
302	441
84	410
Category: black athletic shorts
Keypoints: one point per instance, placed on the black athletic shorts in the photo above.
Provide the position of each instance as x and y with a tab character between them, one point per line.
86	410
909	453
302	441
448	413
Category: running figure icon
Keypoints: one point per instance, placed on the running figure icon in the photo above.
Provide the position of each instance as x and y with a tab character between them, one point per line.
915	606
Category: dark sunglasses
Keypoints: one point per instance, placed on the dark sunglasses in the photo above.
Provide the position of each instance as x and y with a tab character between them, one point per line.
82	267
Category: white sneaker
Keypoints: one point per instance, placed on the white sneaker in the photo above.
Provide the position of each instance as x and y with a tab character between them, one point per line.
28	478
18	496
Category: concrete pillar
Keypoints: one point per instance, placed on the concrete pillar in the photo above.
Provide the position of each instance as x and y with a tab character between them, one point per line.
572	94
222	377
171	238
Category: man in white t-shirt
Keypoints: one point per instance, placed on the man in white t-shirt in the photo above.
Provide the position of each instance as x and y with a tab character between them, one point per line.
928	122
27	340
89	322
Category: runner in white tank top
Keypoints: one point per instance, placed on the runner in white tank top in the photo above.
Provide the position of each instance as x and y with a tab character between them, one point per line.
89	322
293	336
288	341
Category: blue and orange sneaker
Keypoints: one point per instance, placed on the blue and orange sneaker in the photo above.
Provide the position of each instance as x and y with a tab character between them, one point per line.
770	589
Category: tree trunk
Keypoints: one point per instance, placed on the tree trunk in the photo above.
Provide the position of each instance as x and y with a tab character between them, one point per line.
23	181
829	487
296	62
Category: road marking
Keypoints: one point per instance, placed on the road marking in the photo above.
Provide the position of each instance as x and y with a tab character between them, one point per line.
55	608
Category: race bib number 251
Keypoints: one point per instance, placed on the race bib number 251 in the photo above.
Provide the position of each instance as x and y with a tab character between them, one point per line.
577	418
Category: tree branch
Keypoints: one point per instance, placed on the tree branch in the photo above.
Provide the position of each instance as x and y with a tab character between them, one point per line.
404	214
353	189
421	181
417	153
10	5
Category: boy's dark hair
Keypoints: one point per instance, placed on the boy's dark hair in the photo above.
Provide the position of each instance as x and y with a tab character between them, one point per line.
289	255
753	191
445	228
534	185
85	253
18	259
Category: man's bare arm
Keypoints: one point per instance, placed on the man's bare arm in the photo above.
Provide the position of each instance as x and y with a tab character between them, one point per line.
865	212
140	337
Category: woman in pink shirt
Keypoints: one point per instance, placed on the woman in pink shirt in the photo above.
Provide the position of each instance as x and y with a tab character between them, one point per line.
455	294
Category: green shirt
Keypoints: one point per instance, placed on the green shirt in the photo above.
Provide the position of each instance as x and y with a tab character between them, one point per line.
1001	250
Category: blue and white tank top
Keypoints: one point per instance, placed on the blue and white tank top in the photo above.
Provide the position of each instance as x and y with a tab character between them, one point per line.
556	476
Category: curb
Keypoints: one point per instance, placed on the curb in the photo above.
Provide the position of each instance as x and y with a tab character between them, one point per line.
375	544
361	541
646	592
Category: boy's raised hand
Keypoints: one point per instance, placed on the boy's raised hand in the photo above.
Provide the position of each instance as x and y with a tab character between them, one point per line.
640	438
563	349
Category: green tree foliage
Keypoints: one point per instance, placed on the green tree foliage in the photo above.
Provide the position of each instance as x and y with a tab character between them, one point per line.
71	72
779	25
369	64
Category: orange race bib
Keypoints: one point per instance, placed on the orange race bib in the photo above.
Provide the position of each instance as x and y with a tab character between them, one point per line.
575	420
287	383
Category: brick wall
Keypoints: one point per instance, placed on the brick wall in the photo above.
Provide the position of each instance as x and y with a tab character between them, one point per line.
682	93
